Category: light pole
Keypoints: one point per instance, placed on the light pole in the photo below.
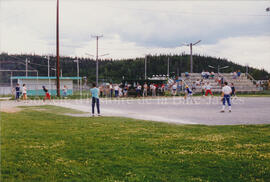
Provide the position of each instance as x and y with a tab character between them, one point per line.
78	70
48	58
145	67
168	68
191	58
26	67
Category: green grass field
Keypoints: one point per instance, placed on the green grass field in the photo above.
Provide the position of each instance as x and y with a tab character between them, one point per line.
37	144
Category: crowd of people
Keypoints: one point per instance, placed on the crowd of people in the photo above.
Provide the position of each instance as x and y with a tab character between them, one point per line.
124	90
236	74
208	75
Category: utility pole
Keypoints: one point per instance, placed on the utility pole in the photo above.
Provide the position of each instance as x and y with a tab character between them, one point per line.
11	81
49	72
26	67
97	37
168	67
145	67
191	56
57	51
48	66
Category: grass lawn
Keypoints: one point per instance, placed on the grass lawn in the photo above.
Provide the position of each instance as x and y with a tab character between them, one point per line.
37	144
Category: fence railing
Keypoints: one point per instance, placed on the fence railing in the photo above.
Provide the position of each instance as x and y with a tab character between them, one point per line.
251	77
5	91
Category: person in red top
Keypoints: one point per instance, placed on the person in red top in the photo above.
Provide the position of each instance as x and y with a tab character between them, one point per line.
47	94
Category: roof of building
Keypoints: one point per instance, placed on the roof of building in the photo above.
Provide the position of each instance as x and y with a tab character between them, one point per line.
44	78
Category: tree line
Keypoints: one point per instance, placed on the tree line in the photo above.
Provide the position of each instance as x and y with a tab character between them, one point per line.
116	70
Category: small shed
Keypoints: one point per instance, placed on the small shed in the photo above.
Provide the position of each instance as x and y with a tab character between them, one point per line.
34	84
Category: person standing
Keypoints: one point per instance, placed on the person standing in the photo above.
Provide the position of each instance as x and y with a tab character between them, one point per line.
95	99
238	73
116	90
47	94
17	89
24	92
226	94
174	87
138	90
145	88
111	90
101	90
64	91
125	91
188	94
208	89
203	89
233	90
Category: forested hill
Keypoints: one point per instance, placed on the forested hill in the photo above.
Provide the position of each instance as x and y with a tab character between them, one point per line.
115	70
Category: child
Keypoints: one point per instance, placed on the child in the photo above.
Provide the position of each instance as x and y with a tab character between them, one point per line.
24	92
193	87
95	99
17	89
174	87
208	89
233	90
47	94
203	89
188	94
226	93
65	91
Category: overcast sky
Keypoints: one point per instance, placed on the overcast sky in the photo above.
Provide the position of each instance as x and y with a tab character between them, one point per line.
239	31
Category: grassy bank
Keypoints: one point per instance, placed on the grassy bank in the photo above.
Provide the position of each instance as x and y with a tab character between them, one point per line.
40	145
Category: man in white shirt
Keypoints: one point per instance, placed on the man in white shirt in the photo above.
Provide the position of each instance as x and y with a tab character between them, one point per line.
226	93
145	87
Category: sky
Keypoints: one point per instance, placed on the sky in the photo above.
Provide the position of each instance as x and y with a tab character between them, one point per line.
236	30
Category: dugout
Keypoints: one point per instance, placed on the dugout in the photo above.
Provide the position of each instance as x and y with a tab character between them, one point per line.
34	84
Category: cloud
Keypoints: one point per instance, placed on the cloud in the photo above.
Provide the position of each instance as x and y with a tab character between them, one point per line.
235	30
244	50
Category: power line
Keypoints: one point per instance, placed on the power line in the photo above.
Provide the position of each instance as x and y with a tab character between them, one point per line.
185	12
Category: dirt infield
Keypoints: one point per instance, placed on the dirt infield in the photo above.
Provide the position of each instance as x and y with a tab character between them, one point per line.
245	110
